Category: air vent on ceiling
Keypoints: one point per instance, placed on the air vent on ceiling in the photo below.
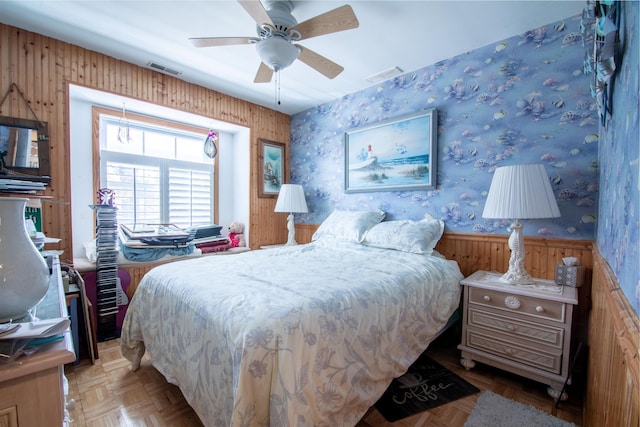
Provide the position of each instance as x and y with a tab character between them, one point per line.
163	69
385	75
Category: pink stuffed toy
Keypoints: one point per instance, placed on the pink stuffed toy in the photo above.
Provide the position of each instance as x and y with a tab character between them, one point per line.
236	236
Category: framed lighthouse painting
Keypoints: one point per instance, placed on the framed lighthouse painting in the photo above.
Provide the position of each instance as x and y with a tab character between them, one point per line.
398	154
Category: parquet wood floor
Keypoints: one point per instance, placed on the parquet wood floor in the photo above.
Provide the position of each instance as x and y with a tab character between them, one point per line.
108	394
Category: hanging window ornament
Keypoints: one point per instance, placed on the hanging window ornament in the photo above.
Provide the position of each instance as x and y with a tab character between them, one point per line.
210	148
124	132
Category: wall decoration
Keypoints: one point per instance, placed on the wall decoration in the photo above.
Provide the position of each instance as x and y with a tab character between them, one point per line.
521	100
600	24
393	155
272	161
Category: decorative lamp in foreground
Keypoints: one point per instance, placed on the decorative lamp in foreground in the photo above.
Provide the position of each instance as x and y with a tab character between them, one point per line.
519	192
291	199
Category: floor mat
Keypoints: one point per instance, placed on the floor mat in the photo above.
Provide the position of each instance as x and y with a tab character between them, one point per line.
426	384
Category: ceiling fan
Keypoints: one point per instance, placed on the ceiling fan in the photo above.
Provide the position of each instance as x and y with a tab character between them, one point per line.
278	30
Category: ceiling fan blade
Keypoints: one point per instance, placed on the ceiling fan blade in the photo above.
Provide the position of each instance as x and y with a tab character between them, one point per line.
335	20
319	63
264	74
257	11
221	41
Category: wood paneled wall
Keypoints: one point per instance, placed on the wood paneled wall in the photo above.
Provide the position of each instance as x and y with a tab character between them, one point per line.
43	68
613	380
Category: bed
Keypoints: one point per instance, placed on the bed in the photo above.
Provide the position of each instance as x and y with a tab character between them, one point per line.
305	335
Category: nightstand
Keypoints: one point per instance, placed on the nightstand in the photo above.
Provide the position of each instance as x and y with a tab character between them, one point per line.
523	329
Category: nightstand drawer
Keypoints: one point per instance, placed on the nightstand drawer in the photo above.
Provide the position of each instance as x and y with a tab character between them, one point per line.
513	303
519	329
550	362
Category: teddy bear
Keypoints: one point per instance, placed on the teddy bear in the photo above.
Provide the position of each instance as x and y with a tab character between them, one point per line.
235	234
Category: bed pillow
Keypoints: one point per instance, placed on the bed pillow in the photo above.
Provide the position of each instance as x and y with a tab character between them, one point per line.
419	237
350	226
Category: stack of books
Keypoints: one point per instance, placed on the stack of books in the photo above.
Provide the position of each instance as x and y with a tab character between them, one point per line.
208	239
154	235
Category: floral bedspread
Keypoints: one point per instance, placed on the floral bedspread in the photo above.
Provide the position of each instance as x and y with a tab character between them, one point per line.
309	335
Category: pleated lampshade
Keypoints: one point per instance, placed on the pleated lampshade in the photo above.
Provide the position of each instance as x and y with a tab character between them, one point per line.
520	192
291	199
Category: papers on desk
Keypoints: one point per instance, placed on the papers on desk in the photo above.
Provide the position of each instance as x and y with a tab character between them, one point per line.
25	337
38	329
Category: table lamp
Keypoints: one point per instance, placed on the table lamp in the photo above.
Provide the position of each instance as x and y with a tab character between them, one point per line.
291	199
519	192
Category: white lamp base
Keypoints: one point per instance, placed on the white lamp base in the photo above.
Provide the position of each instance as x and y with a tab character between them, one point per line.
516	275
291	240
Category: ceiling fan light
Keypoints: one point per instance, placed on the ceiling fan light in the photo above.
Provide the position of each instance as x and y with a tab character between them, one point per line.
277	53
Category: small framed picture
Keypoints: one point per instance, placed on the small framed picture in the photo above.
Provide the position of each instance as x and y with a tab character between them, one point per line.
272	164
398	154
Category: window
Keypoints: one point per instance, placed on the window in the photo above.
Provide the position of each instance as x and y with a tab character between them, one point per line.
158	171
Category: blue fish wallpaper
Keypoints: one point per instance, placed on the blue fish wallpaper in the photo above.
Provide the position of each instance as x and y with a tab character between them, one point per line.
525	99
617	234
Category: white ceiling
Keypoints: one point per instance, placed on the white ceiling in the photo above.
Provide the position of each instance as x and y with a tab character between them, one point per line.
406	34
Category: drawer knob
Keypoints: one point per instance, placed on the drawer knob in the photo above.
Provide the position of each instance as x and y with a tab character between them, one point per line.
512	302
511	327
487	298
508	351
540	309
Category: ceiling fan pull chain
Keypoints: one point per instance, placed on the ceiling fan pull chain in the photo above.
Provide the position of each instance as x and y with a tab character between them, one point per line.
278	87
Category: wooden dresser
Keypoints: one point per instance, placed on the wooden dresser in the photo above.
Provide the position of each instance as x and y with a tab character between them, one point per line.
32	389
524	329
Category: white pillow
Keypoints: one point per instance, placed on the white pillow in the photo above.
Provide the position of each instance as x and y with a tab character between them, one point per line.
348	225
419	237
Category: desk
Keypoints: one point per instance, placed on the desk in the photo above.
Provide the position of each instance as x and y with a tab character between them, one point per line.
32	388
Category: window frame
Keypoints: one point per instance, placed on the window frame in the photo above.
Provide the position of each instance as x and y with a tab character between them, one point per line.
96	112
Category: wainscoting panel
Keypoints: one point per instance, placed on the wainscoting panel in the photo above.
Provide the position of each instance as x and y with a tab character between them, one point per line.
613	381
491	252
